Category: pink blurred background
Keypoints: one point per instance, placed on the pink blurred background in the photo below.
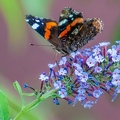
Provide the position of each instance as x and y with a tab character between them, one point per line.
24	63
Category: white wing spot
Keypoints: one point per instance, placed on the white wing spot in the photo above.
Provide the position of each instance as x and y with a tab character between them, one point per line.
63	22
37	20
35	26
70	16
27	20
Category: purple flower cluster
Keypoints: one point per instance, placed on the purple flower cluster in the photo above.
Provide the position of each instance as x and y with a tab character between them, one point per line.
85	75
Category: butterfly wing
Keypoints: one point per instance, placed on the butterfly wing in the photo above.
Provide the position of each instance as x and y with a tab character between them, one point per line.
74	32
69	23
70	33
47	28
88	31
69	20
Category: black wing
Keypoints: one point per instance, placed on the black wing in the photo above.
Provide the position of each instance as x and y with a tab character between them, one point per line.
69	20
47	28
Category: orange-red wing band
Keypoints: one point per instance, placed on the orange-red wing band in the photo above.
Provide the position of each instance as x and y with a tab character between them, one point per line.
68	28
47	29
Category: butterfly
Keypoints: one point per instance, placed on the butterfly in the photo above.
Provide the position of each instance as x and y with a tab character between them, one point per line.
70	33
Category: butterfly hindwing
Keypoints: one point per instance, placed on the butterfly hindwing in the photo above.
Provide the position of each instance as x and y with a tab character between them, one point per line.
47	28
90	28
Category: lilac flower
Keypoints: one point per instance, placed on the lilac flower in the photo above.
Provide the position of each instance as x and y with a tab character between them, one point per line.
43	77
97	93
52	65
90	61
62	71
77	66
112	52
73	54
116	73
81	90
108	85
81	97
89	104
116	58
78	72
63	61
116	81
85	75
62	93
57	84
98	69
96	51
99	58
104	44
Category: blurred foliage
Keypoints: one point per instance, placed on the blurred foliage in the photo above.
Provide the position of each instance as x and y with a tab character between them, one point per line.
37	7
15	24
15	103
14	16
4	110
115	33
13	13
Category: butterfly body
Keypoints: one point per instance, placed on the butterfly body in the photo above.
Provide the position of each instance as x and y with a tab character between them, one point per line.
70	33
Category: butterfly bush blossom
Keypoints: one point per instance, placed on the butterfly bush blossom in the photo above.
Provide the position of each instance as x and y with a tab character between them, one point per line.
84	75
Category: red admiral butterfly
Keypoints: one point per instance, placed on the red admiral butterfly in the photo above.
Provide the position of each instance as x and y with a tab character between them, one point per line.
70	33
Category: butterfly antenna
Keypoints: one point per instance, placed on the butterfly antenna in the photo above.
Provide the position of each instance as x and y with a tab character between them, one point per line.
32	44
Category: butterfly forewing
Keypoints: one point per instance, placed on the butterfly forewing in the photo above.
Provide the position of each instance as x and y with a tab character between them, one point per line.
68	21
47	28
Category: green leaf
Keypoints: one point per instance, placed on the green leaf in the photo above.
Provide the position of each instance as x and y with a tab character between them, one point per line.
19	90
4	110
29	94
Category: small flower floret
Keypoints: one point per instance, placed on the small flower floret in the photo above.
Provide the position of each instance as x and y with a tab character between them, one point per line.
98	69
52	65
116	73
62	93
62	71
112	52
57	84
43	77
97	93
63	61
116	81
84	77
90	61
104	44
89	104
99	58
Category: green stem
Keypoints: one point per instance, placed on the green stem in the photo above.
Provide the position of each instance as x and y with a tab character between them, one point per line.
35	103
